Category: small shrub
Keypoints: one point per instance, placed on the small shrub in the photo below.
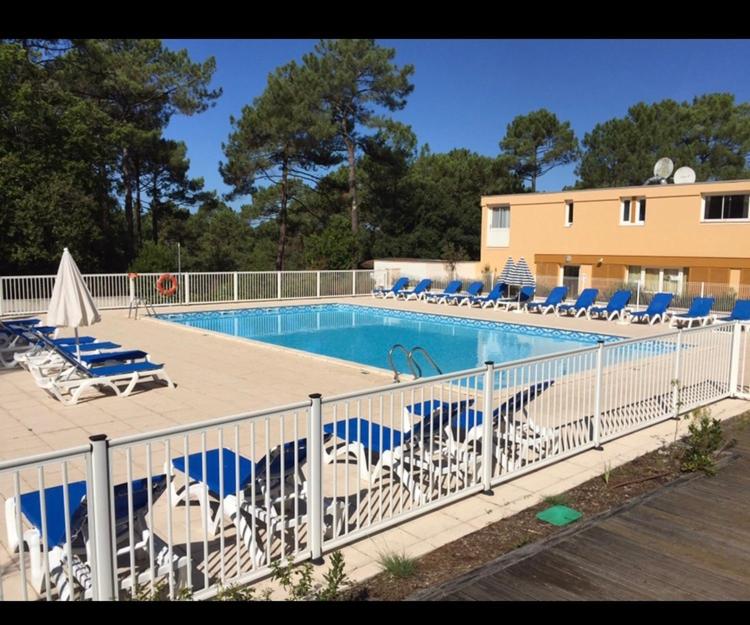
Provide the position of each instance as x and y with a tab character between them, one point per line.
397	565
704	440
160	592
239	593
556	500
607	472
297	581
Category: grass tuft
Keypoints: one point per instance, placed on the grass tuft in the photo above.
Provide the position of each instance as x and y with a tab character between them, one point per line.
399	566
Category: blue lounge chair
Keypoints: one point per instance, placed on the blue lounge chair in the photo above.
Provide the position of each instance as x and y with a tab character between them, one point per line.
48	531
398	285
474	289
454	286
486	300
417	291
525	295
375	447
467	427
585	301
74	377
740	312
271	492
656	310
614	308
699	311
556	296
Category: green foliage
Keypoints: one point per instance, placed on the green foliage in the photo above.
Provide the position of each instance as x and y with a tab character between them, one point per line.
703	442
336	247
240	593
347	79
81	152
297	581
398	565
711	135
160	592
536	143
155	257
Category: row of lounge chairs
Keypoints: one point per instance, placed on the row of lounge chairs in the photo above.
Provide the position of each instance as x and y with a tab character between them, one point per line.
270	495
585	304
68	367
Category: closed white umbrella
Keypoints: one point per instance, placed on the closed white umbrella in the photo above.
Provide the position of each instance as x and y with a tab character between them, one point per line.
507	270
520	276
72	305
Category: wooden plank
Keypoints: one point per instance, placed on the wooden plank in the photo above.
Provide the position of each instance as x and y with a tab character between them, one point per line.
688	540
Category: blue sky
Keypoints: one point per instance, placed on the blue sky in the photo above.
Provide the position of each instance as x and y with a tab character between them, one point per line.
468	90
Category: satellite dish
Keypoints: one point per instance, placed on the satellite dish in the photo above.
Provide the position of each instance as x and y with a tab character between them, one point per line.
663	167
684	175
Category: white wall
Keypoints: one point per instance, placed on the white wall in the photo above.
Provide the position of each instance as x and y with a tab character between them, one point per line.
435	269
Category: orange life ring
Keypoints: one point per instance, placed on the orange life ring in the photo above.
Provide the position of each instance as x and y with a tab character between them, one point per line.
166	291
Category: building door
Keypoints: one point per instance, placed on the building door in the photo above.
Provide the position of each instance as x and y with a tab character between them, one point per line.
571	275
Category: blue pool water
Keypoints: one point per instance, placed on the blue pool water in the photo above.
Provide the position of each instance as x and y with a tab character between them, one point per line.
364	334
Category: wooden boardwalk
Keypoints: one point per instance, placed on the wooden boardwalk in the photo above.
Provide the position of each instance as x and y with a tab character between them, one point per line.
687	541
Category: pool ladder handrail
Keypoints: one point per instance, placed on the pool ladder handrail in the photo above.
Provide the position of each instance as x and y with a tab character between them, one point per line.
413	365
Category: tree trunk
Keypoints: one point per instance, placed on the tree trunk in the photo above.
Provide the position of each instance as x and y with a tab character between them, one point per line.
353	184
128	203
138	202
154	209
282	218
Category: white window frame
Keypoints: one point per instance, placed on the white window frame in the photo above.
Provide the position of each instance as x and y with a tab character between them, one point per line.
498	236
703	219
634	206
569	204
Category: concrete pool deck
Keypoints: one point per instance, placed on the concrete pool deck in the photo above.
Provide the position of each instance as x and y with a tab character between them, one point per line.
218	375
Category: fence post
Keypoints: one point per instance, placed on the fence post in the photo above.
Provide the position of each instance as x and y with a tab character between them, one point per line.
487	447
187	288
354	282
734	367
676	403
598	395
702	284
131	287
278	285
315	492
99	505
318	282
234	286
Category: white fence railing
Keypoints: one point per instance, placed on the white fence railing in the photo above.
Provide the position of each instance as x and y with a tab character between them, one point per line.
21	295
216	503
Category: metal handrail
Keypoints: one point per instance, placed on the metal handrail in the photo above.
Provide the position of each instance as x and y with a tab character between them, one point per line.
409	362
426	355
416	370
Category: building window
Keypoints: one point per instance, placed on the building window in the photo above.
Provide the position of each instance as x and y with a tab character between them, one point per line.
653	279
625	212
633	212
499	231
500	217
634	274
568	213
641	211
725	207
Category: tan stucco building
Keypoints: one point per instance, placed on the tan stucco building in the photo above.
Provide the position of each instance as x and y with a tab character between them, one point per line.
663	235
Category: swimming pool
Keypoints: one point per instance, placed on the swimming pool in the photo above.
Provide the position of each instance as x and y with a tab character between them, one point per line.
363	334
